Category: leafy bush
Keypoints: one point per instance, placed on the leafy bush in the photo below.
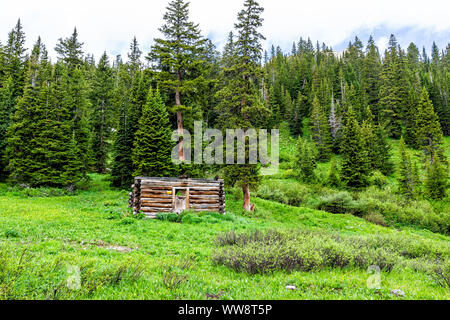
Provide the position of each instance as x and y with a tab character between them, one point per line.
285	191
341	202
378	179
376	218
262	252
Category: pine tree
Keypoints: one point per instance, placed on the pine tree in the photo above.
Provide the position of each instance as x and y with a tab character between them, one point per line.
15	59
355	169
306	160
410	132
371	77
177	57
240	103
7	103
393	90
382	151
134	58
103	114
152	143
41	149
429	133
321	133
436	181
122	169
70	51
296	119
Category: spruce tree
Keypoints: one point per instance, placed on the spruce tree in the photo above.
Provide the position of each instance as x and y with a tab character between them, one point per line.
103	114
295	118
306	160
177	58
371	77
355	168
152	143
70	51
429	133
16	59
134	58
393	90
7	103
436	181
321	133
241	105
122	169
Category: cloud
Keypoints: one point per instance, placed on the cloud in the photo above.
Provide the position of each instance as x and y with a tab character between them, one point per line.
110	24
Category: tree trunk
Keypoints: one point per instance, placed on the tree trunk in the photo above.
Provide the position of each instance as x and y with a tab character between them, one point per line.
247	205
179	121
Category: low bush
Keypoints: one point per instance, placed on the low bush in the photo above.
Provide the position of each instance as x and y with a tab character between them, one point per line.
262	252
378	179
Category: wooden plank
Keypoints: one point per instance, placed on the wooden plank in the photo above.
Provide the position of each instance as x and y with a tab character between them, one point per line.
157	206
179	184
157	200
150	191
156	196
204	196
204	201
155	209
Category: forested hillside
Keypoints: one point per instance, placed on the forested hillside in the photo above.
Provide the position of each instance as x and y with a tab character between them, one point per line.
60	120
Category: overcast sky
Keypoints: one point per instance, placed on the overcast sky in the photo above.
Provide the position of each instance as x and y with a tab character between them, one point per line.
110	25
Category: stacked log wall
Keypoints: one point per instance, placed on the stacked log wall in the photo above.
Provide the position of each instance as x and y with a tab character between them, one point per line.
155	195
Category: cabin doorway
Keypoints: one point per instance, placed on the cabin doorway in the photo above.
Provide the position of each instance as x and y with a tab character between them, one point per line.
180	200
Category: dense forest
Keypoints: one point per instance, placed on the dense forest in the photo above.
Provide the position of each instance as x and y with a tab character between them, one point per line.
60	120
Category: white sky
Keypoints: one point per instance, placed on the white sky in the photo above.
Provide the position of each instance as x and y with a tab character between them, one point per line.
110	24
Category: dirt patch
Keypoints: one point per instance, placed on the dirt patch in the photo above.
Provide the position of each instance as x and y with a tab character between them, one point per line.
108	246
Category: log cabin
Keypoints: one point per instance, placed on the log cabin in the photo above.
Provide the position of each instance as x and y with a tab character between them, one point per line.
164	195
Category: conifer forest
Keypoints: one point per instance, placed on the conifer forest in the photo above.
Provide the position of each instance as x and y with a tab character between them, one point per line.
363	178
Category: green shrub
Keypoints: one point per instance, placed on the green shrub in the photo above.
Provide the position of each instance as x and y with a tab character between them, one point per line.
260	252
341	202
378	179
376	218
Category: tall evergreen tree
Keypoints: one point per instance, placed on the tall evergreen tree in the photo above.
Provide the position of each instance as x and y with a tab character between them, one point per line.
306	160
134	58
178	60
122	169
70	51
152	143
355	167
429	132
241	104
436	181
103	114
371	77
16	59
7	103
321	133
393	90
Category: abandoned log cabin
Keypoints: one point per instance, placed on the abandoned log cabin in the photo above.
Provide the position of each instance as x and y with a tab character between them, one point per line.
155	195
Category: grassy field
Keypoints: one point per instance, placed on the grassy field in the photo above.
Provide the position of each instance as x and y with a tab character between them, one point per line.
87	244
45	236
